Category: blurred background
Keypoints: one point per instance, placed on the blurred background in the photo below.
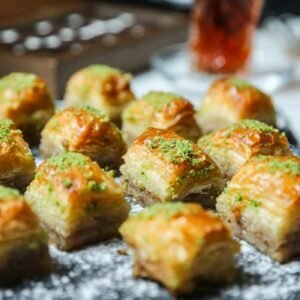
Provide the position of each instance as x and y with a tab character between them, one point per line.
54	38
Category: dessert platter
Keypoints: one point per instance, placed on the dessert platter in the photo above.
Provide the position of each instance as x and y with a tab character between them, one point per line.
113	197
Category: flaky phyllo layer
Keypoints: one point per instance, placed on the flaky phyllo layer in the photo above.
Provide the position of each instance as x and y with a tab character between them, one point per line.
195	245
76	201
233	146
169	167
261	204
230	100
160	110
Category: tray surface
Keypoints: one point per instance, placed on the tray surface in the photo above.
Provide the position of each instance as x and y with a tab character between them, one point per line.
104	272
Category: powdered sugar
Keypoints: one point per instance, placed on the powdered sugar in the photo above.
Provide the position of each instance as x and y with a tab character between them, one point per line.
101	272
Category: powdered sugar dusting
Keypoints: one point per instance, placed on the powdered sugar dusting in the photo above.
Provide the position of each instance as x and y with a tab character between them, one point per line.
101	272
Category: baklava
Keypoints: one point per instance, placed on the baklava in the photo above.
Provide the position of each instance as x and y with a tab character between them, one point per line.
162	166
160	110
101	87
179	244
261	204
76	201
25	99
23	245
230	100
230	148
85	130
17	165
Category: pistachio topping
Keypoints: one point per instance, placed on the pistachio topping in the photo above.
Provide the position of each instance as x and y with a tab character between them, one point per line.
17	81
67	160
251	125
97	187
287	166
94	112
102	70
167	210
176	150
239	83
5	129
160	99
6	192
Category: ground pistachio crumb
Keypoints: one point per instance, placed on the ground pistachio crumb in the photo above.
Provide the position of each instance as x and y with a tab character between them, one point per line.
18	81
160	99
67	160
239	83
99	69
6	192
5	129
94	112
168	210
251	124
97	187
176	150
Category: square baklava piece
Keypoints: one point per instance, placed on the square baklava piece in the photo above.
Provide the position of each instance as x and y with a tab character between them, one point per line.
162	166
76	201
180	244
25	99
230	148
102	87
160	110
17	165
230	100
261	204
23	244
85	130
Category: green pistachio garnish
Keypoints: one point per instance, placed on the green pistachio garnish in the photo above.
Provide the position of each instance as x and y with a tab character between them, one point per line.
97	187
18	81
239	83
168	210
176	150
67	160
102	70
160	99
6	192
67	182
94	112
287	166
6	127
251	125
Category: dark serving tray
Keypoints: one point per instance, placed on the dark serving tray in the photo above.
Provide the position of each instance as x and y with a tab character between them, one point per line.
104	272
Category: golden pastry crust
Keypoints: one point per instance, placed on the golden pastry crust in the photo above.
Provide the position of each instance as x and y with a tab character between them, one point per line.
21	239
160	110
231	99
17	166
76	201
195	245
230	148
101	87
262	205
25	99
162	166
85	130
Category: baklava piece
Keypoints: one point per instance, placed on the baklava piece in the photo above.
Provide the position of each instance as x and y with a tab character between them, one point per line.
101	87
17	166
162	166
160	110
230	148
85	130
23	247
25	99
230	100
262	205
180	244
76	201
